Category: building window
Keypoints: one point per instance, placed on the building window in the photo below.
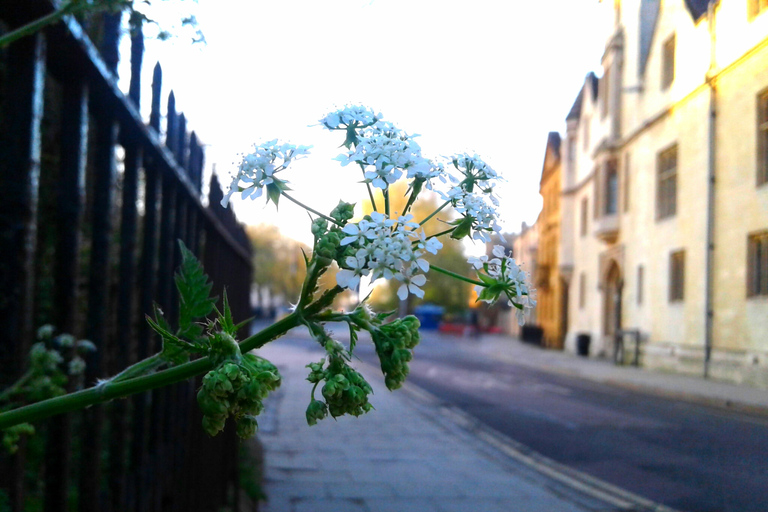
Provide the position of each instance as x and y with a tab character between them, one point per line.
668	62
571	154
762	138
756	7
611	188
584	216
676	275
585	134
582	290
666	183
626	182
640	283
757	264
605	92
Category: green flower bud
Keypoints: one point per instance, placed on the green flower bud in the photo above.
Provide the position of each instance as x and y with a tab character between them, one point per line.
316	411
214	424
246	427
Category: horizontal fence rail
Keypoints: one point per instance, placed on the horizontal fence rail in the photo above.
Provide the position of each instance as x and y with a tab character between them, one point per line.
92	203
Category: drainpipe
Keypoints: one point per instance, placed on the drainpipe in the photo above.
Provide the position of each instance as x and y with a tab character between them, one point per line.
709	313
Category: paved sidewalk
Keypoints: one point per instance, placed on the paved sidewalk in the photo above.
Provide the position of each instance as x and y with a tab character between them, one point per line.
689	388
404	456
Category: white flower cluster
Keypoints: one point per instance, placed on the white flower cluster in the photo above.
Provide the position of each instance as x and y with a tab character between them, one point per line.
385	152
475	169
257	169
502	274
388	248
350	115
483	214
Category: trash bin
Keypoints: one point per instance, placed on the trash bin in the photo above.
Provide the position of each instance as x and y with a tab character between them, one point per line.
429	315
582	344
532	334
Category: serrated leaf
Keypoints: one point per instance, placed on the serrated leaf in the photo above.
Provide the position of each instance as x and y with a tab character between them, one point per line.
225	317
194	289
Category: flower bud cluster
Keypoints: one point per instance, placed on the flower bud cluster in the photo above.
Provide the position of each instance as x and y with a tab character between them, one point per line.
345	390
394	343
236	389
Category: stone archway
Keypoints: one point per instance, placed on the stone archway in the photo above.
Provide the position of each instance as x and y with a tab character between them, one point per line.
612	286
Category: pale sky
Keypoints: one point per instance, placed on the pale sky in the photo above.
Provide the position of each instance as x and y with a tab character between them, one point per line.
490	77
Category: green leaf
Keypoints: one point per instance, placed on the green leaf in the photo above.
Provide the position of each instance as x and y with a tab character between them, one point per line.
195	301
463	228
175	350
273	193
225	317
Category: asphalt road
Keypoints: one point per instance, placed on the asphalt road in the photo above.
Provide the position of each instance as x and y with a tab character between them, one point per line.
686	456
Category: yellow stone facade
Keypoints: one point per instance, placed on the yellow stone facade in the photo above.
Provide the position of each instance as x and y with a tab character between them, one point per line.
549	286
660	193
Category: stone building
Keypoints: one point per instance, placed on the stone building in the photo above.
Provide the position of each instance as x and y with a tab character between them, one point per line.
550	289
665	188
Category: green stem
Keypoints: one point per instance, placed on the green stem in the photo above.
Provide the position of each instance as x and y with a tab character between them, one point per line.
455	275
386	201
33	26
434	213
370	192
296	201
123	388
141	368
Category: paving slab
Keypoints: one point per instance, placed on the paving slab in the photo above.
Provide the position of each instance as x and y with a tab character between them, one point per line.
405	455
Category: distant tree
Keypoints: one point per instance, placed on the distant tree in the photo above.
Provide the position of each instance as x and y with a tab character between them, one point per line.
278	265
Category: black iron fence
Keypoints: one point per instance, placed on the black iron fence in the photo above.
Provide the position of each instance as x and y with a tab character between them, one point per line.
91	206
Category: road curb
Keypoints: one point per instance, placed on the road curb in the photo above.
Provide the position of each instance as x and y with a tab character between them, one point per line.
727	404
573	479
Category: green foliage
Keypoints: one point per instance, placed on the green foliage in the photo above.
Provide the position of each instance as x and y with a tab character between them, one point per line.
394	343
55	363
236	389
345	390
195	299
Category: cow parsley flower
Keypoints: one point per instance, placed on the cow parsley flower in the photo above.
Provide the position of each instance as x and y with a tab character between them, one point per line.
350	116
502	275
387	248
258	169
385	152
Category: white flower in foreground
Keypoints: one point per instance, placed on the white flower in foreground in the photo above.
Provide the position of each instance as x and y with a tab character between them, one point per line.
257	170
385	152
350	115
390	249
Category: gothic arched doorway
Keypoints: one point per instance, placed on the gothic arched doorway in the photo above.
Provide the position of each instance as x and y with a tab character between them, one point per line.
612	302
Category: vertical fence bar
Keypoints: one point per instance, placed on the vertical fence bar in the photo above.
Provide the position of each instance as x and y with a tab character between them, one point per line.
139	501
98	282
126	285
71	195
18	222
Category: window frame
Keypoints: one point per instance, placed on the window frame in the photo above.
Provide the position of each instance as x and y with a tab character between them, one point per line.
611	195
582	290
677	276
757	264
605	92
640	284
762	137
666	183
625	185
584	216
668	49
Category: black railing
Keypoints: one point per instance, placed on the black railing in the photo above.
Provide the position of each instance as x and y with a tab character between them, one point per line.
91	207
